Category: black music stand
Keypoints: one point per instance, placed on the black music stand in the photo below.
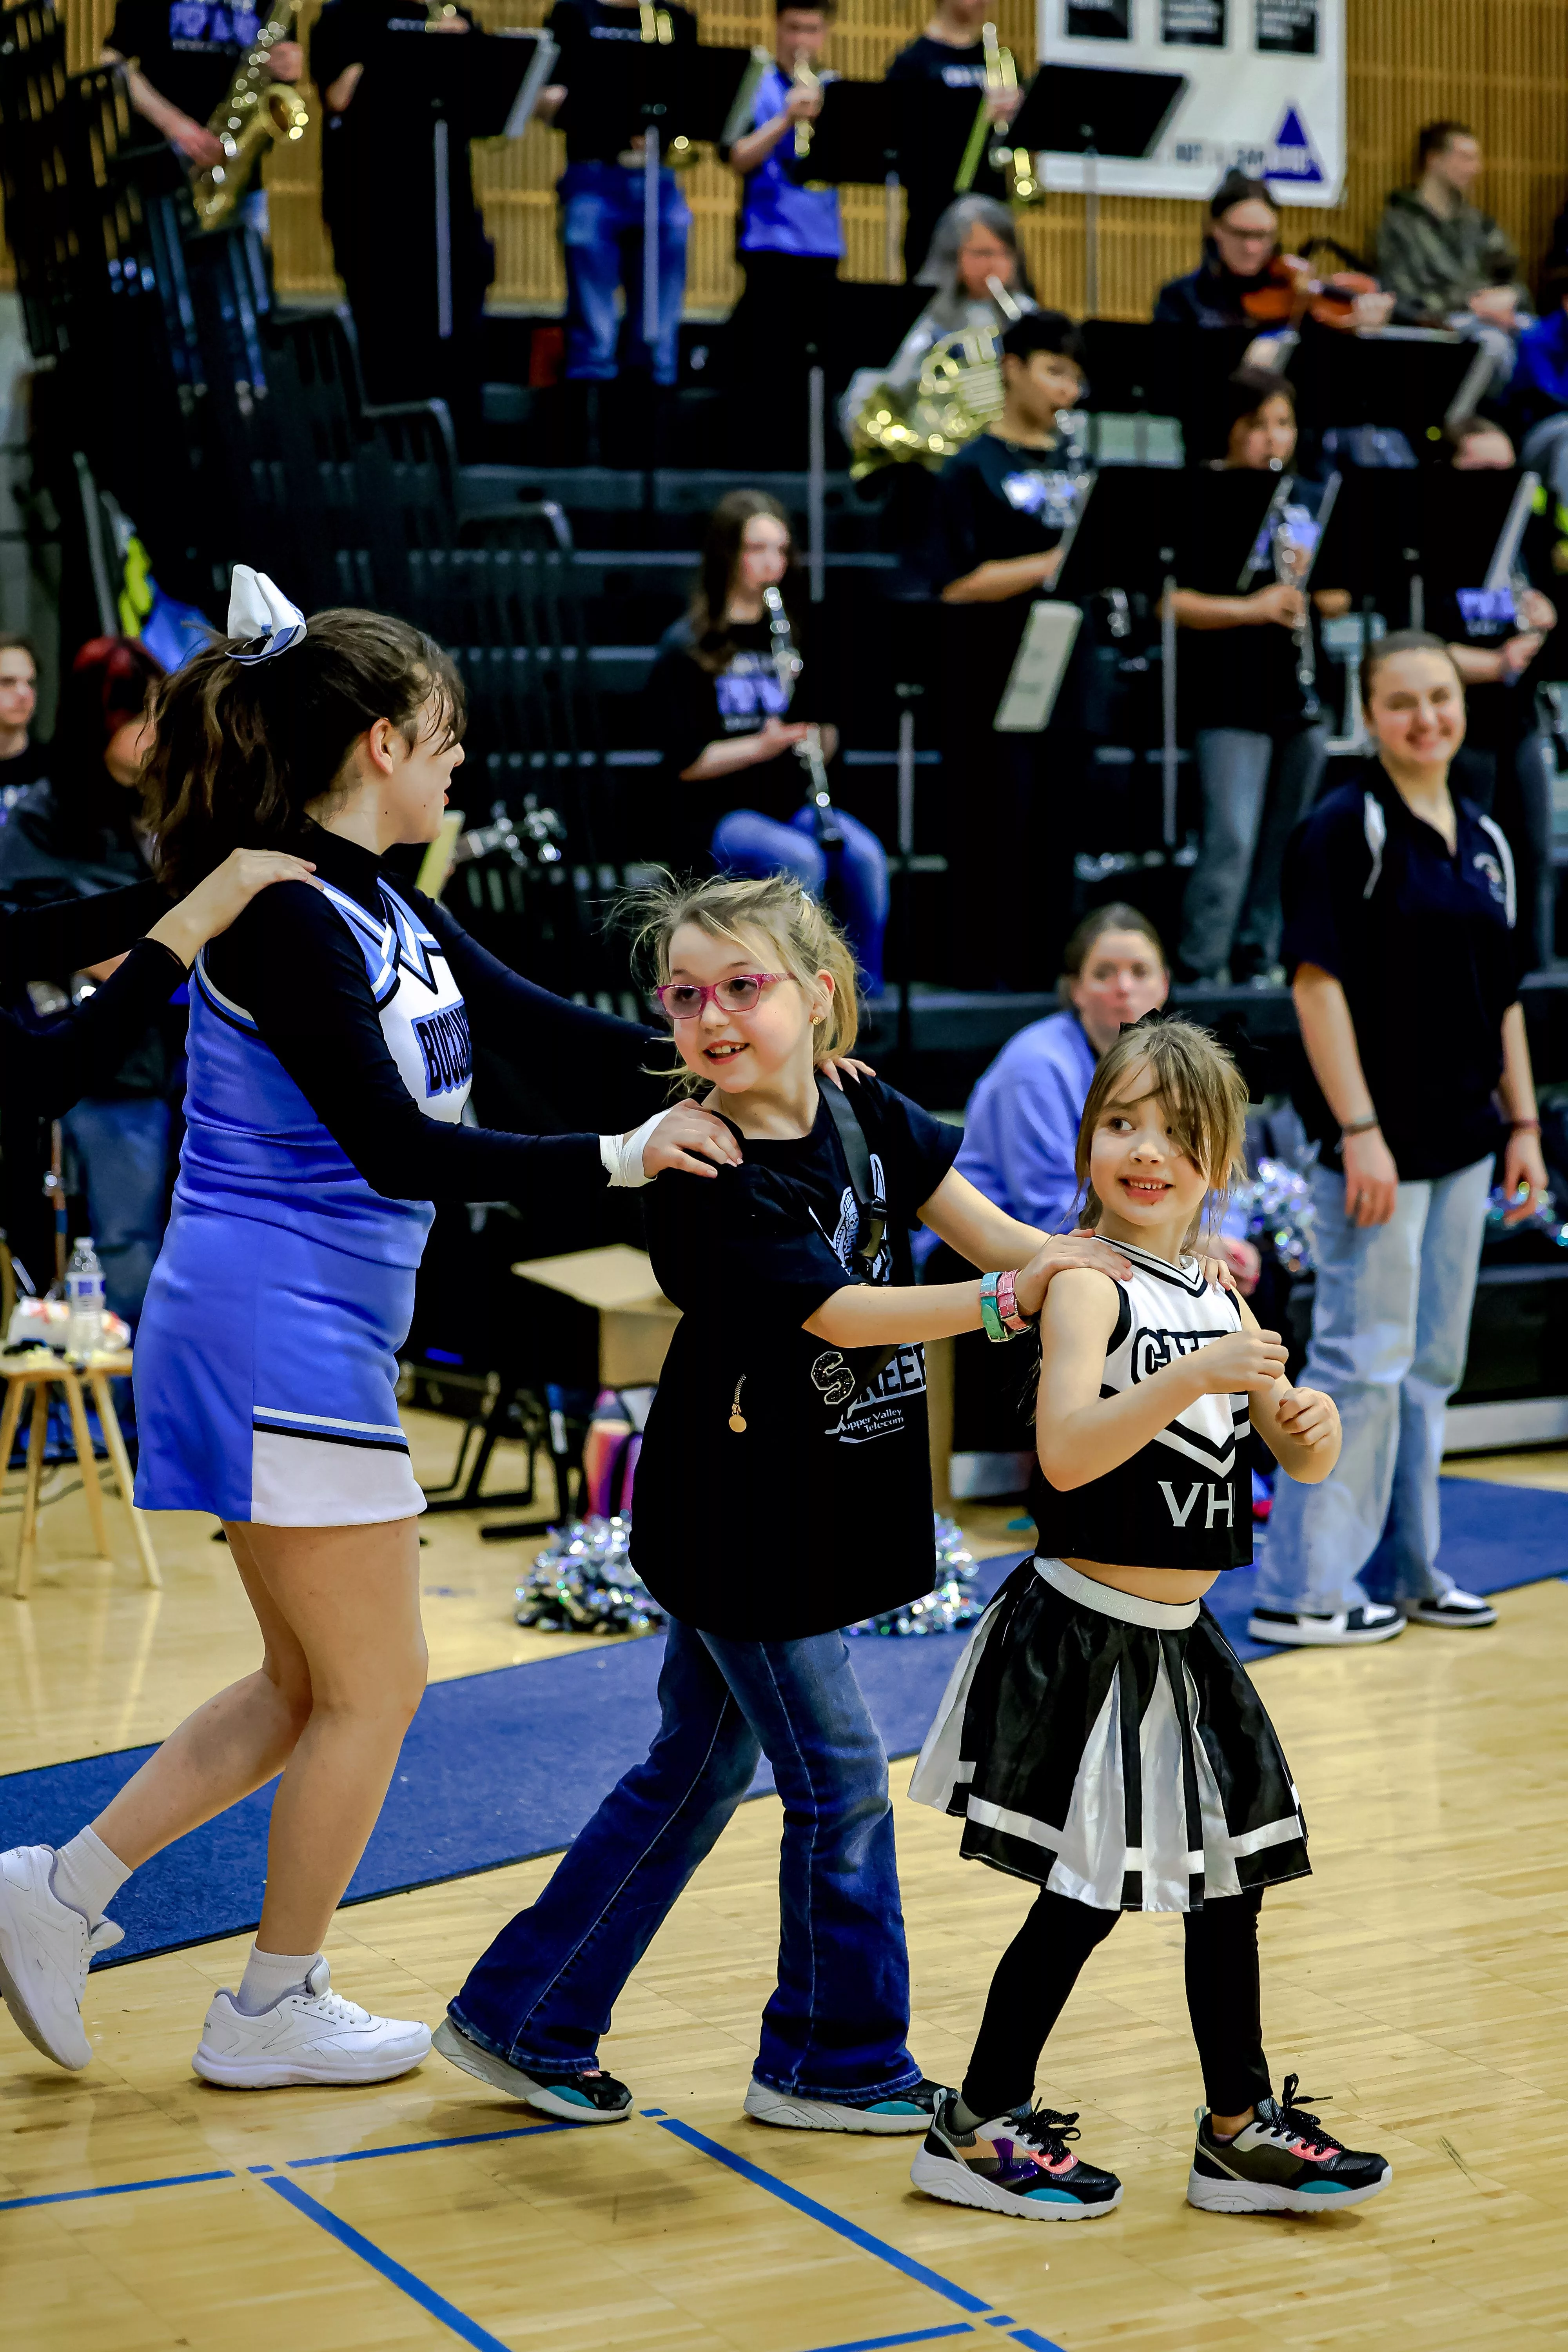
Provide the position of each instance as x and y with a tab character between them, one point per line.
399	201
1094	111
671	96
1409	382
1128	538
854	142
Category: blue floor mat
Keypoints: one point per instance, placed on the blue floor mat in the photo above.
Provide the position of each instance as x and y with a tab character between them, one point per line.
498	1766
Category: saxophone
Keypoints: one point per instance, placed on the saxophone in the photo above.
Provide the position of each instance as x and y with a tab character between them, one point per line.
257	110
1016	165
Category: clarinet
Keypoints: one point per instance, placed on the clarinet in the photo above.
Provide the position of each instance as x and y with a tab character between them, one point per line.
788	664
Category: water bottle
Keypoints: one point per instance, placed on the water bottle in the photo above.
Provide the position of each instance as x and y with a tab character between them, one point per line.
84	1299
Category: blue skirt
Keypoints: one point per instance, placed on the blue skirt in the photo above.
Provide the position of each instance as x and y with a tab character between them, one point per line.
267	1379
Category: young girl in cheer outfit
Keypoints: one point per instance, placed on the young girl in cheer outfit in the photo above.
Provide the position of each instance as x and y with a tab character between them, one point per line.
1099	1737
783	1490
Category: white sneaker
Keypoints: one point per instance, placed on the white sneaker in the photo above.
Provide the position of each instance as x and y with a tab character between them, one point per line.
1460	1611
1347	1629
314	2036
45	1950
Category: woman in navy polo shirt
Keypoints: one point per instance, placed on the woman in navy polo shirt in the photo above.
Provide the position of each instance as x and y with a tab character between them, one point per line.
1402	932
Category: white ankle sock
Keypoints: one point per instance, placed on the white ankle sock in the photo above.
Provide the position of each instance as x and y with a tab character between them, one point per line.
269	1975
88	1876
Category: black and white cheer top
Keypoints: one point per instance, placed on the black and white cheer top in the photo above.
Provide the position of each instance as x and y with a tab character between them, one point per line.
1184	1500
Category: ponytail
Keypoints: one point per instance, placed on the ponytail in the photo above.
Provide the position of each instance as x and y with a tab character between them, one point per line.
243	747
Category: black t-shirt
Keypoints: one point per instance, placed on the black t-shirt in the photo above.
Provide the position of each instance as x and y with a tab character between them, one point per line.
819	1512
995	500
1429	954
929	163
1244	677
24	767
188	49
690	707
596	133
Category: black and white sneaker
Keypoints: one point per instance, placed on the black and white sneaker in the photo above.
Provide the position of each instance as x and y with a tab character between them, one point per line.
906	2111
1281	2162
1018	2163
592	2097
1347	1629
1460	1611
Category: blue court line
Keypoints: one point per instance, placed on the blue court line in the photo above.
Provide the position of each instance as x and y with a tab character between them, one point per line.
118	2189
829	2219
918	2336
394	2272
423	2146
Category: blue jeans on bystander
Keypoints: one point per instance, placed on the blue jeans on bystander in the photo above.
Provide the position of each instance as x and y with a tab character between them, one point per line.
1391	1320
122	1148
836	2024
602	242
746	841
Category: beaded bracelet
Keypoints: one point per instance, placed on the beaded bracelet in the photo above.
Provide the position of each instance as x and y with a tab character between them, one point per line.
990	1312
1008	1308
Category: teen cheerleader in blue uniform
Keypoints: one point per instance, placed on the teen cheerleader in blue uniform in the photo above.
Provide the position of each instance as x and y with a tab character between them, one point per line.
330	1046
1099	1736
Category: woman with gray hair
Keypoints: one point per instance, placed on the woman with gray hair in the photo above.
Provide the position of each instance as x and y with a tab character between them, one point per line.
980	285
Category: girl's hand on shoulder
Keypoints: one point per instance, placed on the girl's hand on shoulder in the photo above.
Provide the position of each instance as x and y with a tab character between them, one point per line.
1062	1252
223	896
833	1069
683	1132
1309	1417
1244	1359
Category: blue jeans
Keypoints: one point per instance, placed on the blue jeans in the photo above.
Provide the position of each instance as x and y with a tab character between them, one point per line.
835	2026
746	841
1391	1321
602	240
1256	790
121	1148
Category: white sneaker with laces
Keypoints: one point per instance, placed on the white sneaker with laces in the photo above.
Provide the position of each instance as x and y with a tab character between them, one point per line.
313	2036
1460	1611
45	1950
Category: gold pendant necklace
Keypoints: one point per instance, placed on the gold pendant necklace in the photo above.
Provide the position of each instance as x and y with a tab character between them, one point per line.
737	1418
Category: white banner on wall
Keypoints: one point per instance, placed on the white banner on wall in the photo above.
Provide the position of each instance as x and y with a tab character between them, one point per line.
1266	91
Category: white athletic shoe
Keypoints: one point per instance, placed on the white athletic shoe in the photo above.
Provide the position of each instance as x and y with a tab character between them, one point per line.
45	1950
1458	1612
1347	1629
314	2036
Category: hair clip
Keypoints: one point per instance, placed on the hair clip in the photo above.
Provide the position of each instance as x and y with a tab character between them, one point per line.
260	613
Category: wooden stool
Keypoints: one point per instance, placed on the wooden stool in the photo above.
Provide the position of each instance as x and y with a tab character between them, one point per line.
40	1371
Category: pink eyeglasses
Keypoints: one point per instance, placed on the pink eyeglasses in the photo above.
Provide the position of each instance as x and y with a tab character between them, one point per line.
683	999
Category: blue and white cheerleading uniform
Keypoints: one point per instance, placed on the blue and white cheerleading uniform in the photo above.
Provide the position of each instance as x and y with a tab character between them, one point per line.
1112	1748
330	1060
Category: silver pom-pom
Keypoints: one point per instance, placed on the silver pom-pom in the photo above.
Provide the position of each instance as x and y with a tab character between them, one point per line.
1278	1207
1544	1219
951	1606
583	1582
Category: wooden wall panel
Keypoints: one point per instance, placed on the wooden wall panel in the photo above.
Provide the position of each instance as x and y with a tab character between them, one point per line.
1501	64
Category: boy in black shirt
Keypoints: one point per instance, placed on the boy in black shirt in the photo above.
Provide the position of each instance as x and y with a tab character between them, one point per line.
182	56
1003	505
949	55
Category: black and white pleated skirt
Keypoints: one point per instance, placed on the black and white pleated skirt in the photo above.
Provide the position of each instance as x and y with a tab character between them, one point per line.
1111	1749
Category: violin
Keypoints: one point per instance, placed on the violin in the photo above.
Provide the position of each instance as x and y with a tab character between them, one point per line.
1291	292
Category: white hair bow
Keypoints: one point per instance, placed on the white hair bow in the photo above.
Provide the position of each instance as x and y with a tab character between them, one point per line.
260	611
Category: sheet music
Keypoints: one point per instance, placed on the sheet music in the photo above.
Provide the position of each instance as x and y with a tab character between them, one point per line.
1049	634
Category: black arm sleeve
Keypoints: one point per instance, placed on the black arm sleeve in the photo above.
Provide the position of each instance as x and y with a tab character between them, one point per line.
336	40
47	1069
47	943
587	1064
292	963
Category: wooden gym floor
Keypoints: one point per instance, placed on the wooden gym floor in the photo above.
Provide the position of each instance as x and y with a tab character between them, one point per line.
1419	1977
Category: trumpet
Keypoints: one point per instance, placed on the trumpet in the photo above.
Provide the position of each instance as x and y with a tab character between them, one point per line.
804	78
1016	165
255	111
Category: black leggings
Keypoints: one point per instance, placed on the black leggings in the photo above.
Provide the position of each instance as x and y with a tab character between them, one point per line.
1041	1965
